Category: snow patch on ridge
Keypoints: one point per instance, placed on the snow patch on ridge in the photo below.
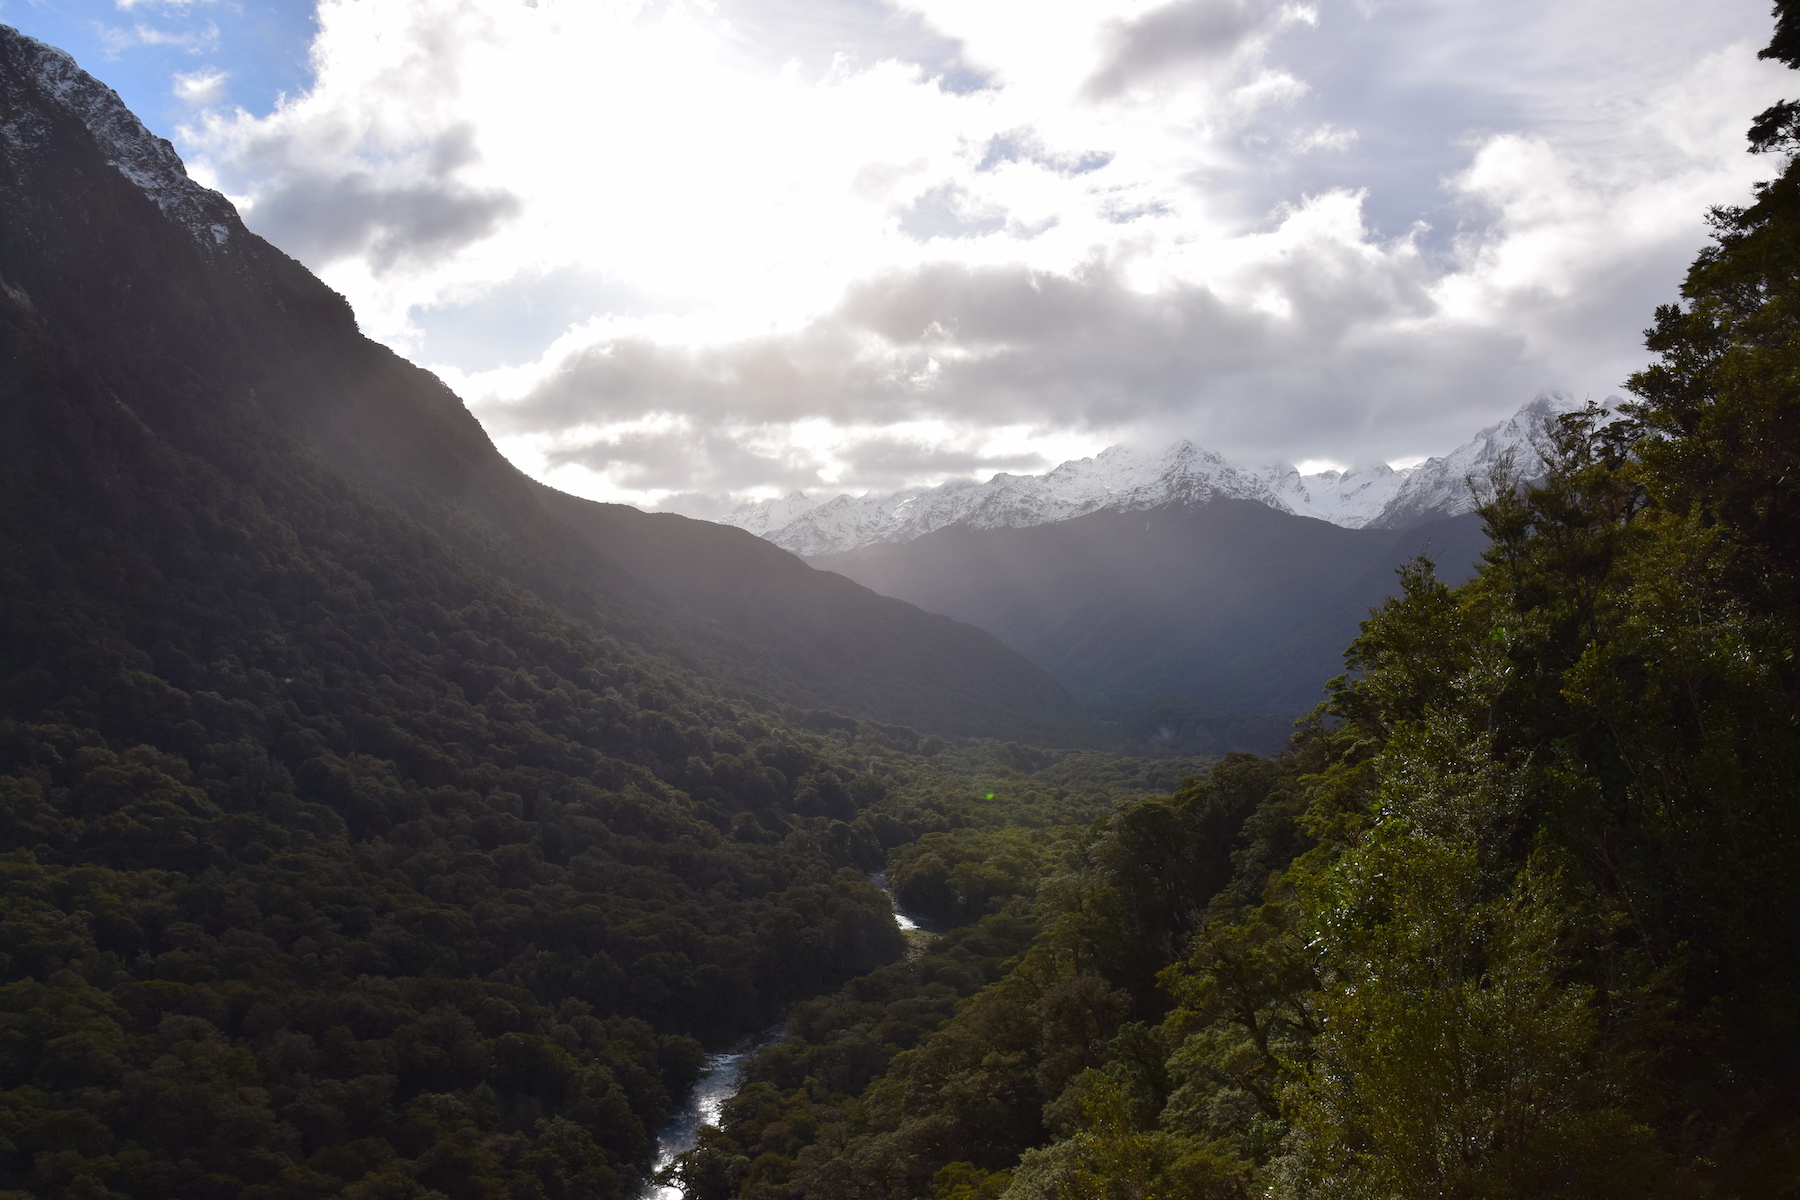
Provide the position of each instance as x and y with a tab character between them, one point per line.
1123	479
146	160
1119	478
1350	498
1441	486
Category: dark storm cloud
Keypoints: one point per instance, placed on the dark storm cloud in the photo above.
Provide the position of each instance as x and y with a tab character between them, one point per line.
1185	34
322	217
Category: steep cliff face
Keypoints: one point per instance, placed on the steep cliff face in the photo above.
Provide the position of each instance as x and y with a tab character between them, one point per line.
817	637
158	312
42	87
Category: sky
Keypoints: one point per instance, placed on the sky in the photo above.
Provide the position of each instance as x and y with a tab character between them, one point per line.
689	253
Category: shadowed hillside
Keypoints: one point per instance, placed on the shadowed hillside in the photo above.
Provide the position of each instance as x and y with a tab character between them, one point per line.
1229	604
213	342
359	832
815	639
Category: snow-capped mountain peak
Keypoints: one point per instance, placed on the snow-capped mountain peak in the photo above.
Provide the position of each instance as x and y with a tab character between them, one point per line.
1440	486
1352	498
1127	479
765	516
148	161
1119	477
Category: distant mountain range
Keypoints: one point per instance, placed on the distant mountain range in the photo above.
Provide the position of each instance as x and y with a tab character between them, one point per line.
1193	601
1228	605
1122	479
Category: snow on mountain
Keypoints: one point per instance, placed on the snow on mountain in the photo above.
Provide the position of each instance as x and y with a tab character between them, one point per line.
1350	498
148	161
1126	480
765	516
1442	486
1117	478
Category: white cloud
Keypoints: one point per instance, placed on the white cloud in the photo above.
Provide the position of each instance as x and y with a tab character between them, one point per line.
1184	38
194	41
1325	137
201	88
675	252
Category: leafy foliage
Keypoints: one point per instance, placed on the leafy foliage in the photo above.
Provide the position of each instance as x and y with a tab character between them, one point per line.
333	861
932	1077
1516	914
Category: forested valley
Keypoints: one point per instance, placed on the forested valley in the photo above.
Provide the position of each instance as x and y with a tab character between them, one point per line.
363	830
1515	916
362	838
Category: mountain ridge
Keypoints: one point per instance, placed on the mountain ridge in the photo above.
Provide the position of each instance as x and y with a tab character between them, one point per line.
358	850
148	161
816	639
1123	479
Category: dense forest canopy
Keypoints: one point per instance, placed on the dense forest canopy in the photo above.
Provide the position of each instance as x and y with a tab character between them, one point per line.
352	846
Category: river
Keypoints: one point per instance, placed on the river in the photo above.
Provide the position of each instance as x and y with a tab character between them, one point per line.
719	1081
918	932
723	1074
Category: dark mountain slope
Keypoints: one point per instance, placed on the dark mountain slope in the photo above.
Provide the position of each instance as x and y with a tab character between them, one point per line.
337	855
1229	604
816	639
224	347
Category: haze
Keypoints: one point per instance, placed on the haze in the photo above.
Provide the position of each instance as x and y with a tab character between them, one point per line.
685	255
